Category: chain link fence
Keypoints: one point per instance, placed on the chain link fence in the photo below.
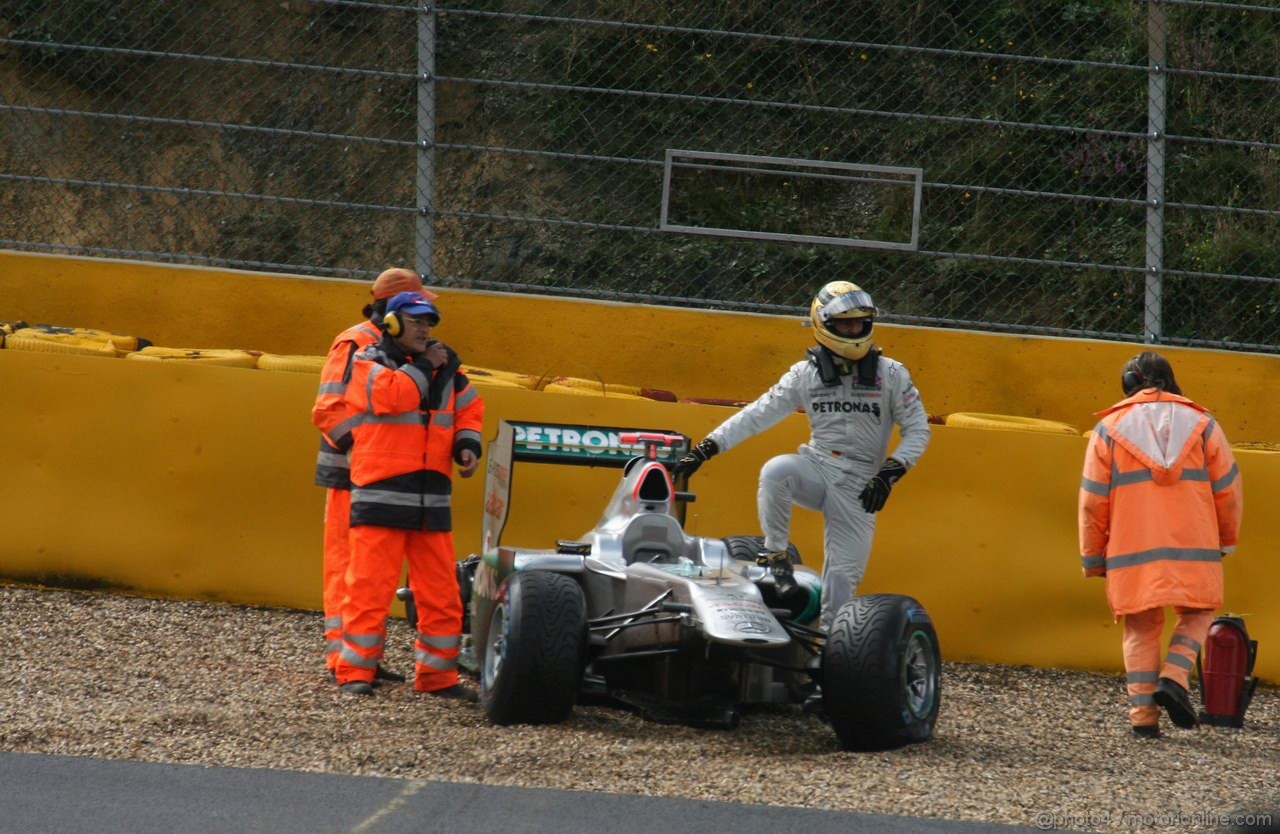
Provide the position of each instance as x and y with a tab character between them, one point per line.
1105	169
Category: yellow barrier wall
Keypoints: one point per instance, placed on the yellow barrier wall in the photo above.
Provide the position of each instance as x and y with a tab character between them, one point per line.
693	353
194	481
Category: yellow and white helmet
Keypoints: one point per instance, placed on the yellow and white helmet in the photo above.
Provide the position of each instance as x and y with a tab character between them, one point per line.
842	300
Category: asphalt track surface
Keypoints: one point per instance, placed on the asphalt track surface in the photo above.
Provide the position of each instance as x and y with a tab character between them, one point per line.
47	794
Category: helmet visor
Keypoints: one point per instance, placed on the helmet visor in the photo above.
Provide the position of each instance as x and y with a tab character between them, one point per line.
846	302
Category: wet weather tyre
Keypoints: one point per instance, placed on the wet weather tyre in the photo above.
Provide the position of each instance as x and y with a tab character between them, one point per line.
881	673
747	548
534	652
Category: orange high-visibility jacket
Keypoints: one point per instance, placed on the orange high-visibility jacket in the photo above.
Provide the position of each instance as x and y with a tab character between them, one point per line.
408	431
1160	503
331	412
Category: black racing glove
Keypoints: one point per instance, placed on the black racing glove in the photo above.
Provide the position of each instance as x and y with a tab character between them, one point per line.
876	492
695	457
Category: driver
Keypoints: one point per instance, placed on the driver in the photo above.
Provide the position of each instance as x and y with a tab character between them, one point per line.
853	396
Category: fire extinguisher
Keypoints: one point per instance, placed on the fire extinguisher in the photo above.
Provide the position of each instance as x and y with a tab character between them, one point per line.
1226	669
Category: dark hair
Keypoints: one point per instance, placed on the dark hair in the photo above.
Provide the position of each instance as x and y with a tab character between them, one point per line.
1148	370
374	311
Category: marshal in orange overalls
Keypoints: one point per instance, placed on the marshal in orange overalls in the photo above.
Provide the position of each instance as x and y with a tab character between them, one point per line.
1160	506
334	417
409	431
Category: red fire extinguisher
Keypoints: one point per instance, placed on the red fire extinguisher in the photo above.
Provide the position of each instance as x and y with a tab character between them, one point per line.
1226	669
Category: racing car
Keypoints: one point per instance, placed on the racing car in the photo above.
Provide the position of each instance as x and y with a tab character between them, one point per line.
685	629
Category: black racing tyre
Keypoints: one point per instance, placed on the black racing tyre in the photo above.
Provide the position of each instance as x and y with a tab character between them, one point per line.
881	673
747	548
535	649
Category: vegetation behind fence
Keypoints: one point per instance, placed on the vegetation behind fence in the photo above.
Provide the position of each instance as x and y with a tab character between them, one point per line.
1104	168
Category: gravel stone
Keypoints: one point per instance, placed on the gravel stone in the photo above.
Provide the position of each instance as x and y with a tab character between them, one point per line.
125	677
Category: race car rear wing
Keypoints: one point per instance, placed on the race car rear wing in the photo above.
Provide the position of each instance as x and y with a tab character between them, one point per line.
563	443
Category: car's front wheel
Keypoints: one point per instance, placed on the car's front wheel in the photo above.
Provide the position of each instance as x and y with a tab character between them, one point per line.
881	673
534	649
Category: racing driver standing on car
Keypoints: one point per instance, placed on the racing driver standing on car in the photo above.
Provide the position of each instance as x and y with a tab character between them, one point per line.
853	396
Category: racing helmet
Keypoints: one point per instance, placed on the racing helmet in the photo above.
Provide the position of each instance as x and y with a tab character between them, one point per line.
842	300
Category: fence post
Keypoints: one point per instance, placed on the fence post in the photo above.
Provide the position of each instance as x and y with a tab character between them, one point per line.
1157	80
426	142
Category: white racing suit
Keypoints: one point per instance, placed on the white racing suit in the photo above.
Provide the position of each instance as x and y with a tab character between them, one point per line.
849	430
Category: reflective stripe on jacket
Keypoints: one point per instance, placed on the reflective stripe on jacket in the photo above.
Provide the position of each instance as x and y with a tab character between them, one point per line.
408	431
1160	504
331	412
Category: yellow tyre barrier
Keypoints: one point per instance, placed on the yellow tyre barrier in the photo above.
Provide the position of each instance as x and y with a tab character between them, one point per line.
497	378
1256	446
290	362
495	382
52	338
727	403
597	390
593	386
1006	422
228	358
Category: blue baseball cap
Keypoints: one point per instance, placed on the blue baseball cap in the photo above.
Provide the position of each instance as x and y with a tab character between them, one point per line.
413	304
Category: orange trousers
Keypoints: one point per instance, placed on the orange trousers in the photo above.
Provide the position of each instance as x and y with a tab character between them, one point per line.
372	574
1142	664
337	554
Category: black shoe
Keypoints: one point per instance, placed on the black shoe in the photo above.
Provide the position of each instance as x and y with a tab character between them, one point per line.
356	688
1174	698
331	675
784	578
1146	730
457	692
384	675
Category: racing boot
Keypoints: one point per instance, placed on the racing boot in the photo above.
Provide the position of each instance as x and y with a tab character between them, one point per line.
779	564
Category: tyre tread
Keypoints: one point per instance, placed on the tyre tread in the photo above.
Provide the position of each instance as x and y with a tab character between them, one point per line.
538	681
861	685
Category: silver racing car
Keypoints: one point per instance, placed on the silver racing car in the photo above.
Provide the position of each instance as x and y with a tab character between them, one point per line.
686	629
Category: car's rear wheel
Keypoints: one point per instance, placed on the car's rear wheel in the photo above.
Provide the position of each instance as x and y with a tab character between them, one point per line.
747	548
534	650
881	673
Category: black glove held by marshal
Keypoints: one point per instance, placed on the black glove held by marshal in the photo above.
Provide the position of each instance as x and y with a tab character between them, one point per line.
876	492
695	457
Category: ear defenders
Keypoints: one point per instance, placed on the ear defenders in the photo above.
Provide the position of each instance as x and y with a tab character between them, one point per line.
391	325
